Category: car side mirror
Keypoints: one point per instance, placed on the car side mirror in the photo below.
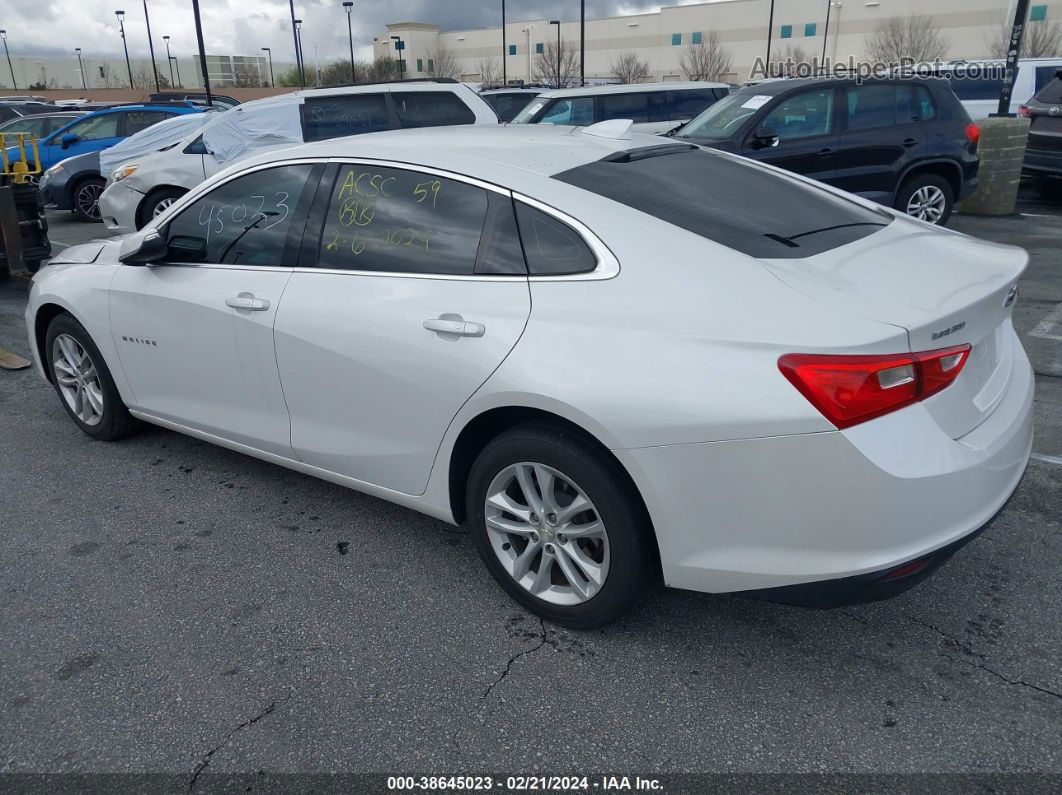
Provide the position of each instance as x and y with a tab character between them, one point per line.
764	137
68	140
143	248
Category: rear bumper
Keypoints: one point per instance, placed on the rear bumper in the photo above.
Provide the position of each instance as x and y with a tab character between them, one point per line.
772	512
1042	161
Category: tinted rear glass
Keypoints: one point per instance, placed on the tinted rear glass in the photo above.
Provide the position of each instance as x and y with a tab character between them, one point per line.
333	117
687	104
1051	93
639	108
431	109
722	199
967	88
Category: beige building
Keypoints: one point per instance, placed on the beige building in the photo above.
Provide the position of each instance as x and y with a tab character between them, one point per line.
741	26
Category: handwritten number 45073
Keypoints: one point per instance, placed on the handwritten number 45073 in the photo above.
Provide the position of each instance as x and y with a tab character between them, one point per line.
214	216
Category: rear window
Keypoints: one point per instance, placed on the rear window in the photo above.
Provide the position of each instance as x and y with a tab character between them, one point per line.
725	200
1051	93
333	117
639	108
431	109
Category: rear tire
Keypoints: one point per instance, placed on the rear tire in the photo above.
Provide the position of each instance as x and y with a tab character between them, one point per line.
927	197
83	383
155	203
85	199
581	570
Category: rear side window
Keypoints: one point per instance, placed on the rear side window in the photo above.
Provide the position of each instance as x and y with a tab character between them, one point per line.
397	221
333	117
639	108
137	120
1044	75
243	222
687	104
967	88
431	109
726	200
551	246
1051	93
871	106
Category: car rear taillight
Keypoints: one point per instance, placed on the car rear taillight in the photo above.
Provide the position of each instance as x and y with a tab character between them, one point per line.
973	132
1024	111
853	389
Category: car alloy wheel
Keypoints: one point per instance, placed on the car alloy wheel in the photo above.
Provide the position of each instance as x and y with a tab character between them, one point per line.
78	380
546	533
928	203
88	200
162	205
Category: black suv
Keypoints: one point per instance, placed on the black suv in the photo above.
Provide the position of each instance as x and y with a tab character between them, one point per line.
1043	156
905	143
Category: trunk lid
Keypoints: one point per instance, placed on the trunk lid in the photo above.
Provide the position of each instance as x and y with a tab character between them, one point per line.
943	288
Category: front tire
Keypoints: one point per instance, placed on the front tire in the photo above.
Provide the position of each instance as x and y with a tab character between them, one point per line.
155	203
85	199
83	382
927	197
557	524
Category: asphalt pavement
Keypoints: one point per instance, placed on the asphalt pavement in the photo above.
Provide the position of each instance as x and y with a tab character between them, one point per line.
170	606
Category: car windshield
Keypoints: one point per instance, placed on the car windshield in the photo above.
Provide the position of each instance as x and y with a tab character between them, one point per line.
725	117
728	200
525	115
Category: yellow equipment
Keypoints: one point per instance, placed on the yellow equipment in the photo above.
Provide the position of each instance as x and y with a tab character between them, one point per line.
19	171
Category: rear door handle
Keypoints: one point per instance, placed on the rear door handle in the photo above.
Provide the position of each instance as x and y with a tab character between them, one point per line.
247	301
462	328
824	152
909	142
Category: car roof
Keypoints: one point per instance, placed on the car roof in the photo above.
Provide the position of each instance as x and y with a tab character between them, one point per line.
513	90
627	88
783	85
492	153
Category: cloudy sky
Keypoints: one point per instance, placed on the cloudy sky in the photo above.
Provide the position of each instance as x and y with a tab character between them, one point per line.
241	27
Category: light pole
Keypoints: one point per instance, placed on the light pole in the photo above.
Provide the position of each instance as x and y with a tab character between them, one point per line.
349	6
169	59
151	48
557	23
125	44
505	51
301	56
295	36
399	47
770	32
81	68
202	52
3	35
177	64
272	83
582	42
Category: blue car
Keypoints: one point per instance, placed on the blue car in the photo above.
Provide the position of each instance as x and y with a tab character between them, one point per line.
100	130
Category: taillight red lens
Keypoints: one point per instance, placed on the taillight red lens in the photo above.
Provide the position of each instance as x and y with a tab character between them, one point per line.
853	389
1024	111
973	132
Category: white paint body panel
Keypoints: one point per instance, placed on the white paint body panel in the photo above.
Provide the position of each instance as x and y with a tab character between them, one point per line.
670	362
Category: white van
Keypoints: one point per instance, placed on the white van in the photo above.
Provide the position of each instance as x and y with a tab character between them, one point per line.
978	83
653	107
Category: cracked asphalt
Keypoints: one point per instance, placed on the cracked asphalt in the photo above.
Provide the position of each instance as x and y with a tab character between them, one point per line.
169	606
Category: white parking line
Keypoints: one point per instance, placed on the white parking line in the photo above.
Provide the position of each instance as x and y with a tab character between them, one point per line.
1050	459
1046	326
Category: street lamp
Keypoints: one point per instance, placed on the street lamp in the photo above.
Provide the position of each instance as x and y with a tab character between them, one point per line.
81	65
399	47
151	47
202	52
169	59
272	83
349	6
505	51
3	35
125	44
300	54
295	36
177	64
582	42
557	23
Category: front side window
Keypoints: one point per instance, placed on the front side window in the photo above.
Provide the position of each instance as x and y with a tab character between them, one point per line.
137	120
803	116
639	107
334	117
431	109
105	126
576	110
397	221
243	222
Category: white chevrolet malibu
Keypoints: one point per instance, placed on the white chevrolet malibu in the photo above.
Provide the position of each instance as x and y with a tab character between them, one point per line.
615	359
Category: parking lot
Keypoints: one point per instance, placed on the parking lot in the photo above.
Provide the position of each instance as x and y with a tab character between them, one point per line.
171	606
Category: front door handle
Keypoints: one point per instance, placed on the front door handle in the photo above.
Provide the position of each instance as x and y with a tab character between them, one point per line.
909	142
247	301
454	324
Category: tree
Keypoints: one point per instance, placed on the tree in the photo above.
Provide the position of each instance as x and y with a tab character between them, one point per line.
705	59
443	63
790	58
557	67
629	69
289	77
915	37
383	67
144	78
490	72
338	73
1041	40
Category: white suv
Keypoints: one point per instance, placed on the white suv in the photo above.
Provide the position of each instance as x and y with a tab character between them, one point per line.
140	189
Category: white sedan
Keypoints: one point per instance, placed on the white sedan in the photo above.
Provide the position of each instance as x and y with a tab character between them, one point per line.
616	360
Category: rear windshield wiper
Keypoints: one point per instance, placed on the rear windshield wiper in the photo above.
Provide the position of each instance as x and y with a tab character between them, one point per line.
788	241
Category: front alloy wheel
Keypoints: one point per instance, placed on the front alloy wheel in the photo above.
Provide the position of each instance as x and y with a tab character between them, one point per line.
77	379
547	533
87	200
